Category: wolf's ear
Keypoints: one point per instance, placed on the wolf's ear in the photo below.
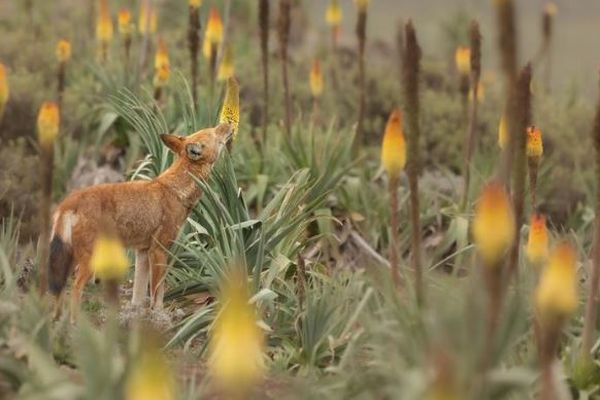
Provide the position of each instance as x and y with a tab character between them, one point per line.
173	142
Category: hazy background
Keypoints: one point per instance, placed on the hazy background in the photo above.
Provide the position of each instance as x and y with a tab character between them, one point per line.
577	31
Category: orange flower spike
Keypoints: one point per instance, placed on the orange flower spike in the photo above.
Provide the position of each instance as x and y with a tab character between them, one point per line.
462	58
104	27
214	27
556	295
535	146
316	79
63	51
393	148
161	76
493	224
48	122
4	89
162	55
537	243
125	26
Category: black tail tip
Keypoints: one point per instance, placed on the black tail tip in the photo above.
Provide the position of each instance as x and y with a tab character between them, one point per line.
59	265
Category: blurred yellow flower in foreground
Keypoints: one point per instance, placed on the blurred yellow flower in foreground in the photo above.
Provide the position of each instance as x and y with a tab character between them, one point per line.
462	58
161	76
236	362
48	122
556	294
125	26
109	260
226	67
316	79
104	27
151	377
63	51
551	9
230	112
362	5
4	89
195	3
537	242
333	14
493	224
535	146
503	132
393	148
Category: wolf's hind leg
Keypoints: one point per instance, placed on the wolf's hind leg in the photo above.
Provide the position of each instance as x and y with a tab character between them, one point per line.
140	278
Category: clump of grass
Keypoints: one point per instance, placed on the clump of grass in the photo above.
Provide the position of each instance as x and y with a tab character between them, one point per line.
63	55
283	25
263	25
194	43
411	68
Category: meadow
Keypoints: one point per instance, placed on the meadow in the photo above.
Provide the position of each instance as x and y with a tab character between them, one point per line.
408	206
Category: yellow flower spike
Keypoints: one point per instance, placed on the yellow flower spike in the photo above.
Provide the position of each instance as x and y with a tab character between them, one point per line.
226	67
161	76
556	293
4	89
551	9
334	14
151	377
195	3
493	226
362	5
236	342
316	79
125	26
109	261
214	27
63	51
230	112
503	132
462	58
104	27
162	55
206	48
393	148
48	122
537	243
535	146
148	21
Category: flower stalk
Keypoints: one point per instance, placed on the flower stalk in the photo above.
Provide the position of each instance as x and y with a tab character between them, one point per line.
126	33
194	43
104	30
63	55
284	24
213	38
411	68
230	111
263	24
4	90
591	306
361	34
316	87
333	17
471	138
393	159
48	123
534	150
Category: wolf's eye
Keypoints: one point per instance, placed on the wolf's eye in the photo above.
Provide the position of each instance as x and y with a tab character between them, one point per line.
194	151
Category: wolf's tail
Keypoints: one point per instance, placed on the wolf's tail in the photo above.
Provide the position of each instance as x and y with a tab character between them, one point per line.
60	263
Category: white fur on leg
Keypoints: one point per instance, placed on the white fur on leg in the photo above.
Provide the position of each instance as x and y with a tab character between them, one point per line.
157	301
140	278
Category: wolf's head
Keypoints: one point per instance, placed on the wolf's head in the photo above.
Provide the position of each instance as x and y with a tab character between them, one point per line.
202	147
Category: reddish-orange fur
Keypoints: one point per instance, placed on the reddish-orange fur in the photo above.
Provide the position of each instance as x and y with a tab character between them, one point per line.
146	215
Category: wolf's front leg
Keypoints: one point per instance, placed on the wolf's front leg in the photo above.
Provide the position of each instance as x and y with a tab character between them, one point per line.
140	278
158	266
